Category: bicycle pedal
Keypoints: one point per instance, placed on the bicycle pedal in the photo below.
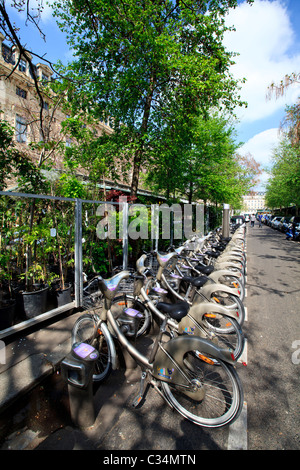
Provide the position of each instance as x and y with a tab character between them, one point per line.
138	401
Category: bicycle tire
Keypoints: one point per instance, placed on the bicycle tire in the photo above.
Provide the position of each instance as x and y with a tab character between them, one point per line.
231	337
232	281
84	330
232	302
222	393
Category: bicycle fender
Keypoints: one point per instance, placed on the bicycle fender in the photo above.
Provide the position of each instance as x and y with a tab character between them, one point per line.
198	310
229	257
170	360
215	275
208	289
227	264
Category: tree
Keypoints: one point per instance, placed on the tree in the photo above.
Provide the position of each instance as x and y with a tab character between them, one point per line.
283	188
201	162
139	61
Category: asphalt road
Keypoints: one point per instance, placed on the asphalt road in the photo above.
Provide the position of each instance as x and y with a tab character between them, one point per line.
271	382
270	418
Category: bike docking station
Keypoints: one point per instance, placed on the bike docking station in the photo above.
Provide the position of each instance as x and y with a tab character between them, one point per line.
77	371
129	321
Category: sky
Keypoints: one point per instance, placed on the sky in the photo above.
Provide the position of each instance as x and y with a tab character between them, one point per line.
267	39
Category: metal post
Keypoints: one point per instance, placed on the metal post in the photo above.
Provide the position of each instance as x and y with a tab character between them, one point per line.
125	234
155	225
78	254
225	225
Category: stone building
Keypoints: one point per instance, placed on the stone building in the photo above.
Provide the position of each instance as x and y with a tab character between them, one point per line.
253	201
20	105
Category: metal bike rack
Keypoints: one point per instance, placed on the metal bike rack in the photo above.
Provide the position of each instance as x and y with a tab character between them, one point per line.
77	371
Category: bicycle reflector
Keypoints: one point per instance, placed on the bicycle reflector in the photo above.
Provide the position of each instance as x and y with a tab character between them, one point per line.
205	359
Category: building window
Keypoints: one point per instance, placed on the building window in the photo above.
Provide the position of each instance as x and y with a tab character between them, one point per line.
20	92
7	54
22	65
45	78
21	129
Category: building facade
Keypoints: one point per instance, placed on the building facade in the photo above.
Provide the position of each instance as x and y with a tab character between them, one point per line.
253	201
20	106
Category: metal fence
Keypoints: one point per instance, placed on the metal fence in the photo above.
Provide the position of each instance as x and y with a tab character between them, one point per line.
31	226
79	223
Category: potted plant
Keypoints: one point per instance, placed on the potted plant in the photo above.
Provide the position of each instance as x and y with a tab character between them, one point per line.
34	300
7	260
7	302
62	247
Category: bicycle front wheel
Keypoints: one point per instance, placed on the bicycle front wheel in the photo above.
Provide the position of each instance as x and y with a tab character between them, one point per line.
87	330
222	393
232	302
227	332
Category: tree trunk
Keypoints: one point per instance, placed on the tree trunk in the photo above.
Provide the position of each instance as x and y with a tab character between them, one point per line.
137	161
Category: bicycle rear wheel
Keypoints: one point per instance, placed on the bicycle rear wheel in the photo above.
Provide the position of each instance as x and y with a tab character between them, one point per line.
87	330
222	392
125	300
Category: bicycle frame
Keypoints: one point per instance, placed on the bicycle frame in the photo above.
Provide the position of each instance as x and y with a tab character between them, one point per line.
165	362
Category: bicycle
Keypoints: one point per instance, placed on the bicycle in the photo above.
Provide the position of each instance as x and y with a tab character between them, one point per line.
198	290
206	320
182	370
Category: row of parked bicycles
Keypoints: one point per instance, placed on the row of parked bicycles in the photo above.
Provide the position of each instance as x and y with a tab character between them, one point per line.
286	224
189	302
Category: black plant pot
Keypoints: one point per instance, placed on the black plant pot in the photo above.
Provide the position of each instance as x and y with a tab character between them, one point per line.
35	302
63	296
7	314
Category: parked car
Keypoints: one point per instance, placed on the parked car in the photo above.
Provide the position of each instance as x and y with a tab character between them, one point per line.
275	222
269	220
283	224
294	220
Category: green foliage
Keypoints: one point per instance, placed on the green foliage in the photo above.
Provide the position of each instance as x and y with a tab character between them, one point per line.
283	188
139	62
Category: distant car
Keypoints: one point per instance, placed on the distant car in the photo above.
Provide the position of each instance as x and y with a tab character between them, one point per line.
269	221
294	220
275	222
283	224
237	219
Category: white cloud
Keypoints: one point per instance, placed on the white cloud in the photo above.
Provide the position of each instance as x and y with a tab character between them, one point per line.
261	146
264	39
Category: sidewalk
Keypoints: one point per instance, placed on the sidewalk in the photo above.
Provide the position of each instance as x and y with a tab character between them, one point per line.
33	357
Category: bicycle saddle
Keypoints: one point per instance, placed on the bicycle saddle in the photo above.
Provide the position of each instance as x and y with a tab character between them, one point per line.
176	311
205	269
213	254
195	281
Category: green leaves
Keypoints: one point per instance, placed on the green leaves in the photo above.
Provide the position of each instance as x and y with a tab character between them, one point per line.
142	62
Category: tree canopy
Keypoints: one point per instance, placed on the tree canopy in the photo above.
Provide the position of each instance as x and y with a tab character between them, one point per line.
138	62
